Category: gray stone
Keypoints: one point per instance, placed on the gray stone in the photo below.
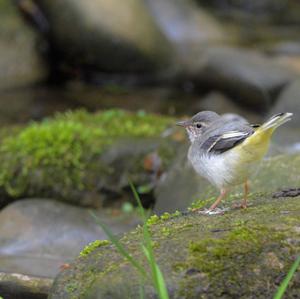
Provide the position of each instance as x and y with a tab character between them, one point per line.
113	36
180	186
288	101
38	236
19	286
220	103
186	25
20	64
285	48
249	77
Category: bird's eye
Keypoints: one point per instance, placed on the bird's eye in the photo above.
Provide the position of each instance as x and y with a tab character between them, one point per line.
198	125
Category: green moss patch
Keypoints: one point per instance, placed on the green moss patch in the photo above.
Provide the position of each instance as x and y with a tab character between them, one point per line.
92	246
61	156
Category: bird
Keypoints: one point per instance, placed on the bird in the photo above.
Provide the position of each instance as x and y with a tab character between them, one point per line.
227	149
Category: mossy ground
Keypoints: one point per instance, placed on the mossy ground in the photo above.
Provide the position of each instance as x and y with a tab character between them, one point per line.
241	254
61	156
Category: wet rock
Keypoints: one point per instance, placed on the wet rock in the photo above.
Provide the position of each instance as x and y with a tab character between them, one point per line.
103	36
288	101
249	77
181	185
249	253
19	286
18	68
39	236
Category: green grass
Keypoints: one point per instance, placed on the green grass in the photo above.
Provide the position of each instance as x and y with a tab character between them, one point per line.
283	286
156	275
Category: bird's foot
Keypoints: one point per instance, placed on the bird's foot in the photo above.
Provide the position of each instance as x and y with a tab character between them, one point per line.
242	205
216	211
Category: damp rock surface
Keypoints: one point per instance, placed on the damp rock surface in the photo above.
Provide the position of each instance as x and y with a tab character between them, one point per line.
243	253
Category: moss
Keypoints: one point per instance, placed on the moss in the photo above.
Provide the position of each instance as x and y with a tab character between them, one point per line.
55	156
92	246
200	203
214	255
155	219
71	287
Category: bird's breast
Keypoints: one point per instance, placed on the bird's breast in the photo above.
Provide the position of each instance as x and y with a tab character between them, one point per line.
222	170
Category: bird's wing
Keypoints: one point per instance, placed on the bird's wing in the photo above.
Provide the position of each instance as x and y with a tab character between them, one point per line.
221	143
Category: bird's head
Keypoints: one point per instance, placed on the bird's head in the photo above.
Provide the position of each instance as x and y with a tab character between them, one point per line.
198	123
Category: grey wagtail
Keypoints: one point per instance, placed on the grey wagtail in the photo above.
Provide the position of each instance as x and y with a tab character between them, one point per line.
226	149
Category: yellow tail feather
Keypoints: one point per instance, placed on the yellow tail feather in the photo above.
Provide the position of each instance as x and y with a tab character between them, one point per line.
257	145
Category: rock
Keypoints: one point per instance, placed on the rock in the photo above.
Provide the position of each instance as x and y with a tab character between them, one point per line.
90	160
220	103
241	253
184	23
17	68
247	76
105	35
39	236
289	61
257	11
19	286
24	104
287	48
288	101
181	185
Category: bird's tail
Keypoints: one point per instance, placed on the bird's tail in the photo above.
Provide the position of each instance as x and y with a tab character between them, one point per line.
275	121
257	144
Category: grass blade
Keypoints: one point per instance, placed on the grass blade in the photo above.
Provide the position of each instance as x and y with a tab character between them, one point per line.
119	246
157	276
138	200
283	286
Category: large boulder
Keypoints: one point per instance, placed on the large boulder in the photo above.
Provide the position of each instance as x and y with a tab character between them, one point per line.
249	77
109	36
244	253
20	63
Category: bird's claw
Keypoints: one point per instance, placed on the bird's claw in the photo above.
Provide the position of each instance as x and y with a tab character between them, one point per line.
240	206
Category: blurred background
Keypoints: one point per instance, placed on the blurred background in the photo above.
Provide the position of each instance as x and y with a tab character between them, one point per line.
170	56
89	94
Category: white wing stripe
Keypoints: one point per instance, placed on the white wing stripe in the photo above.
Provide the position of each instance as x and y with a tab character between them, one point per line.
233	134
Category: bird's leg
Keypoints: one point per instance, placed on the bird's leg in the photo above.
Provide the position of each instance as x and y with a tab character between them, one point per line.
246	191
243	205
220	197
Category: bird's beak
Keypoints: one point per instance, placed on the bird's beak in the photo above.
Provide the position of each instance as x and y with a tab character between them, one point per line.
183	123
